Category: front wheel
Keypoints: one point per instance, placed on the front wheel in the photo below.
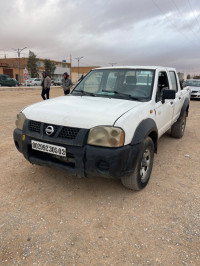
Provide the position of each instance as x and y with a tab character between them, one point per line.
142	172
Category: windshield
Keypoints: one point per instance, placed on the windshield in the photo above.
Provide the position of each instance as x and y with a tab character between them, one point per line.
135	84
193	83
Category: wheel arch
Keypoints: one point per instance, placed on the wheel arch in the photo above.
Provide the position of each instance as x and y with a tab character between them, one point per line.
185	108
146	128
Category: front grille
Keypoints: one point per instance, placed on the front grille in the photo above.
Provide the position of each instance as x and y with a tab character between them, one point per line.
65	132
68	133
34	126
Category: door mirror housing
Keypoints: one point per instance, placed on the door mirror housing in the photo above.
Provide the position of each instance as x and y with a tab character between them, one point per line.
168	95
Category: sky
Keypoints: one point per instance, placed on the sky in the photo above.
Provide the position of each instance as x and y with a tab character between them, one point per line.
104	32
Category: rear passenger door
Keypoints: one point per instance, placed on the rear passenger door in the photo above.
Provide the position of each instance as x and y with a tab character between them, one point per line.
163	111
178	101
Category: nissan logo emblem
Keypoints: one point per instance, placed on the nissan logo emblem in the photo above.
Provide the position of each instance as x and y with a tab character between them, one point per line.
49	130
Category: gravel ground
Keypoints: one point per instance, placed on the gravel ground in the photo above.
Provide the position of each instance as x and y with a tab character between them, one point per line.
48	217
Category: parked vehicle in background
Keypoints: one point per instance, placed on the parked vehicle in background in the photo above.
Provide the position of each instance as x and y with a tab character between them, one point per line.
52	82
7	81
194	86
57	82
17	82
34	82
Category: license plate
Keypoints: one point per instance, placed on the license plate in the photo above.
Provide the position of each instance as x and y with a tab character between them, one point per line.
48	148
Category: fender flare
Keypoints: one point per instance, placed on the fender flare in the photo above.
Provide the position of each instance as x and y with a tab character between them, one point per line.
185	108
147	127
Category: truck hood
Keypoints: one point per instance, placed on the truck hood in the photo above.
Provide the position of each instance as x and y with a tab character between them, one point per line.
79	111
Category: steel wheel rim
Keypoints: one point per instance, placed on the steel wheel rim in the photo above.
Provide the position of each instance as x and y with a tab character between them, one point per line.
145	165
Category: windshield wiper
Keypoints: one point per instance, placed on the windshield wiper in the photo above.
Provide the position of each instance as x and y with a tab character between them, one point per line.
85	93
123	94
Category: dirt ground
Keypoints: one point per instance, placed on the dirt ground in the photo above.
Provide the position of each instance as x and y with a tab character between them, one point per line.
48	217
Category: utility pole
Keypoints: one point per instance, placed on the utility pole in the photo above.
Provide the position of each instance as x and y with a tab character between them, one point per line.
78	58
18	50
70	65
112	64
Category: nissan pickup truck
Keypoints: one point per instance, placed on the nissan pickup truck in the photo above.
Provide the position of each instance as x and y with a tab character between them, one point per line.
108	126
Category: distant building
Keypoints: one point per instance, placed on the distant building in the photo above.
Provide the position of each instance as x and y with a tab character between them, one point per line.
9	66
181	76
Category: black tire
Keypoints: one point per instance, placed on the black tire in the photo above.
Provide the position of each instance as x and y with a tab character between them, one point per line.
141	175
178	128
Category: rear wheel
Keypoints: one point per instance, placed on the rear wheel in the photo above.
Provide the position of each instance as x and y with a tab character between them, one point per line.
141	175
178	128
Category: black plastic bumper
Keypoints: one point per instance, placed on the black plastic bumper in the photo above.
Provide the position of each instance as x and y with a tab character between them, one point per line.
83	161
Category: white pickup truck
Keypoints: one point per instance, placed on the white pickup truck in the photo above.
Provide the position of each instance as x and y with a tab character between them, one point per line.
108	126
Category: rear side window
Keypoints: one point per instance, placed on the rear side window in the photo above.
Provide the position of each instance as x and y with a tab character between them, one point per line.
173	80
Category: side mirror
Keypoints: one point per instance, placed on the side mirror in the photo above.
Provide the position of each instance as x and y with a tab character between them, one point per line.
168	95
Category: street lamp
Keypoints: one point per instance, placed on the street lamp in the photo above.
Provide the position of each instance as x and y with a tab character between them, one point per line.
78	58
18	50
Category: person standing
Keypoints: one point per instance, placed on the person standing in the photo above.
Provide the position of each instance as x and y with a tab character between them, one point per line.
66	83
46	83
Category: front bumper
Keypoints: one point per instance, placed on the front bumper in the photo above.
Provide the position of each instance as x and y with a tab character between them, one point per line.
82	161
195	95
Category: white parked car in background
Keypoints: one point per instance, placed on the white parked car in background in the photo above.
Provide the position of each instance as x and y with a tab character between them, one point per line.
34	82
194	86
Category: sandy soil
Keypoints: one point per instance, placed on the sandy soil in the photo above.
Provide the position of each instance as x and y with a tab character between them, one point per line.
48	217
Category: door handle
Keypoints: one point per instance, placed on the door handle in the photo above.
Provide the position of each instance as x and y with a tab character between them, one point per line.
171	102
179	98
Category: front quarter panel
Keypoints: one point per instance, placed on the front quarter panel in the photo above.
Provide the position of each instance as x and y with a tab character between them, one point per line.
130	120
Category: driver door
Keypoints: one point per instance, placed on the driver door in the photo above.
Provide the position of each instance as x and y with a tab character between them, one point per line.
163	111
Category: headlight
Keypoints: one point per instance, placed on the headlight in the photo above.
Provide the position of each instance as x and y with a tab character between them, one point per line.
20	120
106	136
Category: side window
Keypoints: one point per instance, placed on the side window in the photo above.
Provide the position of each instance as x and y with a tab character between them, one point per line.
173	80
163	84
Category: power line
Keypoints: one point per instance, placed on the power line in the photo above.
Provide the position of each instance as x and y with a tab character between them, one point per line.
174	26
193	13
181	15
